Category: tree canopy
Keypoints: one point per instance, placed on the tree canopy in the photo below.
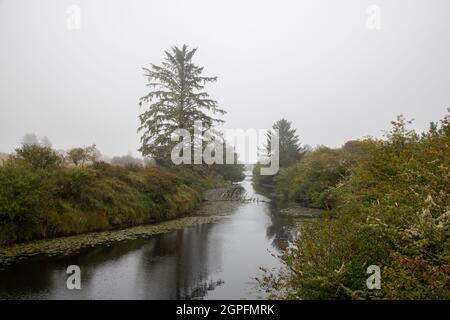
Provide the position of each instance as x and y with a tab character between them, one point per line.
289	144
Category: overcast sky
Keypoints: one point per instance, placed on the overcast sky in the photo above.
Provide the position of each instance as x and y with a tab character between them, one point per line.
316	63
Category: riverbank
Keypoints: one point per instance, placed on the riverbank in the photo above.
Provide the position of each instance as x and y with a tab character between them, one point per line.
40	198
209	211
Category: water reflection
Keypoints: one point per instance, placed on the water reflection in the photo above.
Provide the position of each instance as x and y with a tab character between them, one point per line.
209	261
281	229
169	266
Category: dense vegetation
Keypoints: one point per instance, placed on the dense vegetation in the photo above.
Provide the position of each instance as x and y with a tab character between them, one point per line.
40	197
390	209
308	181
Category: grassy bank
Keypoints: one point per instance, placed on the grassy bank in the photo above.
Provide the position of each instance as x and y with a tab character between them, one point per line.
40	198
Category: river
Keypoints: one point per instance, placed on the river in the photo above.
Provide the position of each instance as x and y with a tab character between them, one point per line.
217	260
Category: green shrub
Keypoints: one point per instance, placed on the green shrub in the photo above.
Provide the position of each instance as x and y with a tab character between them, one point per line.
392	210
310	181
39	157
26	196
199	178
74	183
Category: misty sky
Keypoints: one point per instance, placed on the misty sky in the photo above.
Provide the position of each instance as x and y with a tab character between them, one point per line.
313	62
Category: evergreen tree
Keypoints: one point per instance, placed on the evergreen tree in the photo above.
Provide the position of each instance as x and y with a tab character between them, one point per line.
176	100
289	145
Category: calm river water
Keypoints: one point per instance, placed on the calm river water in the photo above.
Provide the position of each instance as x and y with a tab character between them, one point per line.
218	260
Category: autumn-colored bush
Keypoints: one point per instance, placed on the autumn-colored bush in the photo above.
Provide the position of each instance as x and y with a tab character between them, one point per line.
392	211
